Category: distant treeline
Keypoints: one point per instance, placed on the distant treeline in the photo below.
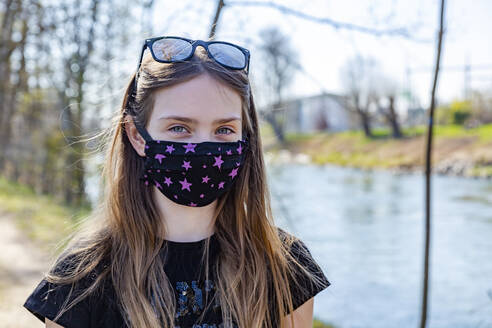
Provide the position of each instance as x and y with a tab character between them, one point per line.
56	64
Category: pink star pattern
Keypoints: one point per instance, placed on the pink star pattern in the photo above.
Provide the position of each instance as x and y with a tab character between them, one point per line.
185	185
159	157
221	156
233	173
169	149
218	161
186	165
190	147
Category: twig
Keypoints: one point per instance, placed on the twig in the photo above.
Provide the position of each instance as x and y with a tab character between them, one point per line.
428	161
400	31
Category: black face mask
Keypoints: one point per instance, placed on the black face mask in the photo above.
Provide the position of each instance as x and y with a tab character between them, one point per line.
191	174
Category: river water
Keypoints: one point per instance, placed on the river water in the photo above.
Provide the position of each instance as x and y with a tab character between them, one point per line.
366	230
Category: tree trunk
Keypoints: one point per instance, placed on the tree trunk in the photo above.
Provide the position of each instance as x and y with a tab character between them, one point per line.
393	119
366	123
7	46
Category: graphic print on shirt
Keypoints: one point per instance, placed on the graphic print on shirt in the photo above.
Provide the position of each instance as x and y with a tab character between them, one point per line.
191	298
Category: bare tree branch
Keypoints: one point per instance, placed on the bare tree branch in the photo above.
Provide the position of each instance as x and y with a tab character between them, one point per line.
398	32
218	11
428	162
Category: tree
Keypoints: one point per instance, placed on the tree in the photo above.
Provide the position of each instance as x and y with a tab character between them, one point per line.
357	76
385	96
392	117
13	78
280	62
369	91
48	59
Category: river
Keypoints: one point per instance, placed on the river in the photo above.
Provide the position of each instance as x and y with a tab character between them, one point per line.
366	230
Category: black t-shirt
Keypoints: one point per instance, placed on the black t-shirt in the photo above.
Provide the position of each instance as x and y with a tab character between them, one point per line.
183	270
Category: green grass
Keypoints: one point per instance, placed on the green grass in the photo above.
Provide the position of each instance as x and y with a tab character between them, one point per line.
293	137
353	148
319	324
481	171
484	132
41	217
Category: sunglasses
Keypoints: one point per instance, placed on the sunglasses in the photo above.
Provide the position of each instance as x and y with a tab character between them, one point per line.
171	49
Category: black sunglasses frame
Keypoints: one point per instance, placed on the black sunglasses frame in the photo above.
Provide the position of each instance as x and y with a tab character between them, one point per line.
148	43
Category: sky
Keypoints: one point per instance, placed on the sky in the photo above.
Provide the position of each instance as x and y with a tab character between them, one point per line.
323	49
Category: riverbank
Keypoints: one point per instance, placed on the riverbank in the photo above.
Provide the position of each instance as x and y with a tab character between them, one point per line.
456	150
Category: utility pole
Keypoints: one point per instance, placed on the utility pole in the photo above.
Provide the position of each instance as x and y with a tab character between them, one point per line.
467	82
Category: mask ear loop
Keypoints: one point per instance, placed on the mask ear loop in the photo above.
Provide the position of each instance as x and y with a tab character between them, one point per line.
141	129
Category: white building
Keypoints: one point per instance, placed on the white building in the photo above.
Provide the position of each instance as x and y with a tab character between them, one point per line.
323	112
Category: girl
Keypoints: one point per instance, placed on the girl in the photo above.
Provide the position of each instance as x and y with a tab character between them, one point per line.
184	235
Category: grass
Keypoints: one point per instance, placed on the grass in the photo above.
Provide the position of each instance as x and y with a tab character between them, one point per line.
319	324
483	132
42	218
481	171
452	143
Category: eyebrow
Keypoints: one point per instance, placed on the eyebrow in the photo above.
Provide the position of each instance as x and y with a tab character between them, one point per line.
192	120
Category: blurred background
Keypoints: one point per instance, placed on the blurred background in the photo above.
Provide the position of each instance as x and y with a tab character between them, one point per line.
343	91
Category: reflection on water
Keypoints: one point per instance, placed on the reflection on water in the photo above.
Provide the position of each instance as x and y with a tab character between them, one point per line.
366	231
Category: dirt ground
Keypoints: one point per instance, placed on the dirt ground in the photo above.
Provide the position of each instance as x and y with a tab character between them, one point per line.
456	156
22	265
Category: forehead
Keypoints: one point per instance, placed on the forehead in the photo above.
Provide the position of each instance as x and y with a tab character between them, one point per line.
202	98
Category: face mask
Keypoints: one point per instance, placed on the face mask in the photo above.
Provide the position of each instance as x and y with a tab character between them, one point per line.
191	174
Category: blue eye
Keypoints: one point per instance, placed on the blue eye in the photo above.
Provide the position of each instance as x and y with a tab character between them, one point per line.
179	129
231	131
176	126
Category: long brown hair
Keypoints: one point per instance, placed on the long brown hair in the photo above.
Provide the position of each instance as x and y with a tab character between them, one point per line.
254	266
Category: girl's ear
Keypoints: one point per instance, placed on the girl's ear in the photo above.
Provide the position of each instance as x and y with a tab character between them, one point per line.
135	138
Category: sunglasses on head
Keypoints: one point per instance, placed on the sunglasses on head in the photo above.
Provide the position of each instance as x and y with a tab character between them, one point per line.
170	49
